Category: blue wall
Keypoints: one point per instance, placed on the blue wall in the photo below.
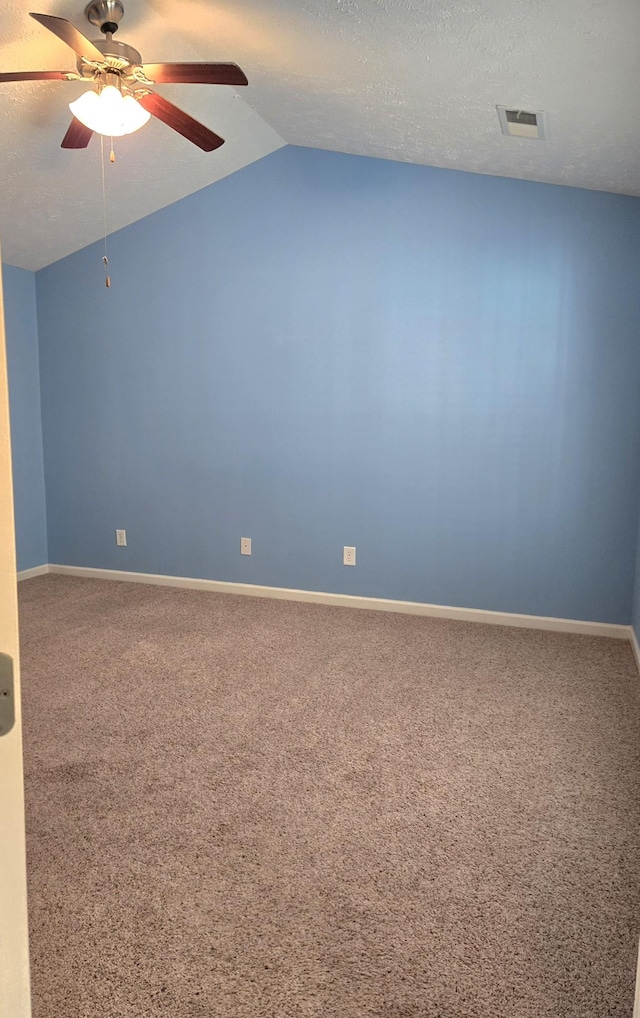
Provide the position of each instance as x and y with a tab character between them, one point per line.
635	618
440	368
26	425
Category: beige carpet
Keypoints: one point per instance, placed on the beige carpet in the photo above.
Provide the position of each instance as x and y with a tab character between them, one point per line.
241	808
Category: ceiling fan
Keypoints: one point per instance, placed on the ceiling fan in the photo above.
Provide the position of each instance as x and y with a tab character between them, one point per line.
121	101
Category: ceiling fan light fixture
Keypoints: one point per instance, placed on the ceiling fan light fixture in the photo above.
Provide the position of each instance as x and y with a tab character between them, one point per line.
109	112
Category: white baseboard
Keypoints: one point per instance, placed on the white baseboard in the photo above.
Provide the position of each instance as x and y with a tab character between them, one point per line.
635	646
26	574
352	601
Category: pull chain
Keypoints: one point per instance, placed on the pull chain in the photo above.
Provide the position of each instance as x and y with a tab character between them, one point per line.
105	258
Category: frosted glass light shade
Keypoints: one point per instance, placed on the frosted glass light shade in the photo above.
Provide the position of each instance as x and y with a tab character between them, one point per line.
109	112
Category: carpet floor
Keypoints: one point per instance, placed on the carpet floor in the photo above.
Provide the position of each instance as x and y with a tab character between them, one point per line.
242	808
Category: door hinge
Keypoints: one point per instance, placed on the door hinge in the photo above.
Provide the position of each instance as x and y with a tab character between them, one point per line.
7	700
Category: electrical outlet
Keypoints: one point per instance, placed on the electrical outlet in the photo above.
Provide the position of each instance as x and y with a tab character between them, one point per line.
121	538
245	545
348	556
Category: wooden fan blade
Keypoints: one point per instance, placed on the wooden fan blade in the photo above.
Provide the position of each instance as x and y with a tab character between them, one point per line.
38	76
77	136
196	74
180	121
70	34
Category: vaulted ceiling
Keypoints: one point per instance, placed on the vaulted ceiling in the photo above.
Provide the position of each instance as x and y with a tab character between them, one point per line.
410	80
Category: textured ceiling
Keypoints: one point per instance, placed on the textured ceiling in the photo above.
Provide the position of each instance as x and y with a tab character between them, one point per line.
413	80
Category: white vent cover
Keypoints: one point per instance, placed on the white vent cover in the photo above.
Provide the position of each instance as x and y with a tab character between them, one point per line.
521	123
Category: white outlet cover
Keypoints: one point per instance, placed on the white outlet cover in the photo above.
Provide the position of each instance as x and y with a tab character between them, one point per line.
348	556
245	545
121	538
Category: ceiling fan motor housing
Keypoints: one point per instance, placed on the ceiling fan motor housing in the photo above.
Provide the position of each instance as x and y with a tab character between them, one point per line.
117	55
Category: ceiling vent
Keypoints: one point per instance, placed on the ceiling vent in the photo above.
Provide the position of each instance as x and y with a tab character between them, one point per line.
521	123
